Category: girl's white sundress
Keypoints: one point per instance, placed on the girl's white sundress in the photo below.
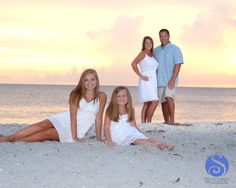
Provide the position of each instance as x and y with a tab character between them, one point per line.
148	89
123	133
86	115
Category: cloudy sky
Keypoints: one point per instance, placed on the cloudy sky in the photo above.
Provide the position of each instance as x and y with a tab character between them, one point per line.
51	42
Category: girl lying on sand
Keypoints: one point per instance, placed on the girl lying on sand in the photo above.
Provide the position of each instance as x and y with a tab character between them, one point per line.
86	105
120	126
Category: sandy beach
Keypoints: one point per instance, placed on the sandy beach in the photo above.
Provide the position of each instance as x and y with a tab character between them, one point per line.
92	164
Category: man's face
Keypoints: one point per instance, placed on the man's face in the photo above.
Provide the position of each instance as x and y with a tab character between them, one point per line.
164	38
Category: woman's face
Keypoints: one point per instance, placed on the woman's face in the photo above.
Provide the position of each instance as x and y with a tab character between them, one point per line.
148	44
122	97
90	81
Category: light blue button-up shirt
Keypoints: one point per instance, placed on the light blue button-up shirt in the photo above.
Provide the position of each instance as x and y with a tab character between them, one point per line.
167	57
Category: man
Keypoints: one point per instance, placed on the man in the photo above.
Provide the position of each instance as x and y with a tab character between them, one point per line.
169	58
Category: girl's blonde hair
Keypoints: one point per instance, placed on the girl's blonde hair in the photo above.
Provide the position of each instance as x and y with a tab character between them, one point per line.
79	91
112	110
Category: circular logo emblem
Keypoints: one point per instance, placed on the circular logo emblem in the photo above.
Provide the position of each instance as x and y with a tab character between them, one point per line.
217	165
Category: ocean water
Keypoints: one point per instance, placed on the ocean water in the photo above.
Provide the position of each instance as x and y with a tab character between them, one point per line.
33	103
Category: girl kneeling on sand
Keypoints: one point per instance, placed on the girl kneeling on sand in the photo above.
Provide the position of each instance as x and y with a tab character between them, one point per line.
120	126
86	108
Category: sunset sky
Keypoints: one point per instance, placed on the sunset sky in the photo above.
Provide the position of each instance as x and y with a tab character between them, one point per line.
51	42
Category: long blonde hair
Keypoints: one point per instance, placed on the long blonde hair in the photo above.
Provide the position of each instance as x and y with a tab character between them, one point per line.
112	110
79	91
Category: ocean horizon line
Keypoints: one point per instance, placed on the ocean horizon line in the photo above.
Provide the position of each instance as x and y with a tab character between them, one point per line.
38	84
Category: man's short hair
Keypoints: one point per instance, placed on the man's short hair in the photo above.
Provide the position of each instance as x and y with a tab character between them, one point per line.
165	30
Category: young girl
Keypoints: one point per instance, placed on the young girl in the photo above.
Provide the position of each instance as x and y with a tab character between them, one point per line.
147	79
86	106
120	125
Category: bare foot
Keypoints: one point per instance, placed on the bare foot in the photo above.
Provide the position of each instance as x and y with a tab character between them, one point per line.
166	122
162	145
170	147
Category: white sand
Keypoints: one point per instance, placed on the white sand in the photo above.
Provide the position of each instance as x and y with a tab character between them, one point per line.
92	164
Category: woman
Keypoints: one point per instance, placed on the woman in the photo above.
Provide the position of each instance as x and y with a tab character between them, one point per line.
147	79
86	106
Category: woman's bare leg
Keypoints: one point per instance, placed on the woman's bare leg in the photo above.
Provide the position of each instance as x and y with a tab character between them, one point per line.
28	131
165	112
49	134
151	109
144	112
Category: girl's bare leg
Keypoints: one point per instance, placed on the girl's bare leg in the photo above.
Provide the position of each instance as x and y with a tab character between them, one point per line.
3	138
49	134
151	109
164	144
28	131
153	142
148	142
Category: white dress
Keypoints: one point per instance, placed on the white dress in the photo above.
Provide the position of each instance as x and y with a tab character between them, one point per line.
148	89
86	115
122	133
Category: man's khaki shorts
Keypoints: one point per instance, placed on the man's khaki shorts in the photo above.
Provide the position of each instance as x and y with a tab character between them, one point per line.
164	92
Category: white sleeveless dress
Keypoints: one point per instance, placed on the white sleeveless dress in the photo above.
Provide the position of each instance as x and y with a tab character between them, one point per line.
86	115
122	133
148	89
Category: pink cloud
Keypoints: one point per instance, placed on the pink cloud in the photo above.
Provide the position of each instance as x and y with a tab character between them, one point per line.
120	36
120	44
209	27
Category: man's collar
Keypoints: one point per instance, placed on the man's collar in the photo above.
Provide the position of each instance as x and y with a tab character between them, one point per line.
162	46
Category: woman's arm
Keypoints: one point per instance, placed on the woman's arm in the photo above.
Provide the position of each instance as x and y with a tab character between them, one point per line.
73	119
135	63
98	121
107	133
